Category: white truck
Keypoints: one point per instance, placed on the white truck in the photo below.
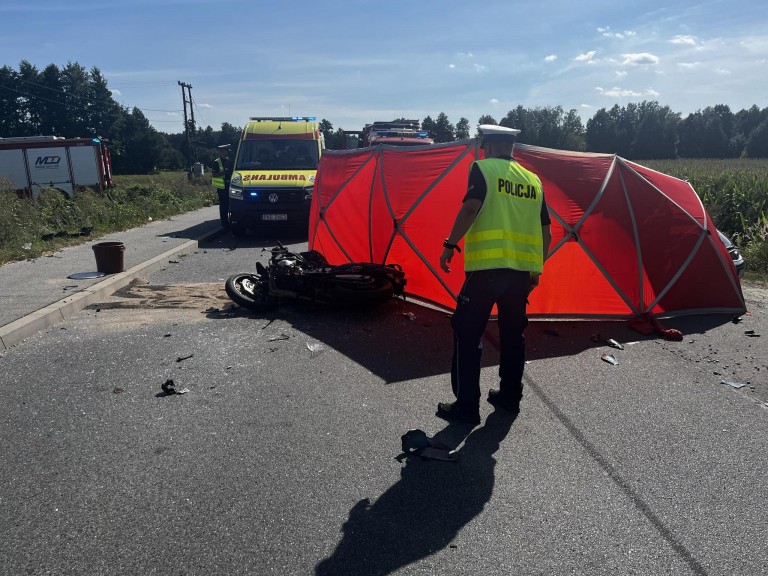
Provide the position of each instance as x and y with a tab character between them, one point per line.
32	163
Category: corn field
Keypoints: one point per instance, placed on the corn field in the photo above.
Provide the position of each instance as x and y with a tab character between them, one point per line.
735	193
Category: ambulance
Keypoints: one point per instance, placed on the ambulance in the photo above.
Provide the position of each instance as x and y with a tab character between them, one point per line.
274	173
34	163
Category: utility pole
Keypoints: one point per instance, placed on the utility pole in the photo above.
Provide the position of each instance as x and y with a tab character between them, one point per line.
189	126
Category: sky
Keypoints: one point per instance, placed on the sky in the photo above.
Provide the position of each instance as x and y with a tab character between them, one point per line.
355	62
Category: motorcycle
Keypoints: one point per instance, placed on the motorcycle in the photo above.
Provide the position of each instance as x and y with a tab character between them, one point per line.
309	276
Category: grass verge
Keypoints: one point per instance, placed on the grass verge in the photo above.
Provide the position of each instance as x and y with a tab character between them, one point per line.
31	228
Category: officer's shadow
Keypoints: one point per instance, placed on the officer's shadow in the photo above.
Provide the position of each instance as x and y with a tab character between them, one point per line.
422	513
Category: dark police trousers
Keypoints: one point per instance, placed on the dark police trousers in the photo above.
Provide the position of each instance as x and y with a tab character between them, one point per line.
508	289
223	194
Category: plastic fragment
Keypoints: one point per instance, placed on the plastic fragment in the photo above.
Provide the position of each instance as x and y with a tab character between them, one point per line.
615	344
281	337
314	347
409	315
415	442
751	334
610	358
169	387
182	358
736	385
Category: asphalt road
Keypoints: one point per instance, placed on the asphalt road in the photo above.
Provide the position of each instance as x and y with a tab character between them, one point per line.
281	458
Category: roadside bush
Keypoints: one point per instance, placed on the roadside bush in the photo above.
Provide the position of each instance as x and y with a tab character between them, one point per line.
755	246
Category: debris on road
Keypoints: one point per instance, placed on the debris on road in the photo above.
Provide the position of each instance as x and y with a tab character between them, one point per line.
169	387
415	442
610	358
315	347
736	385
182	358
615	344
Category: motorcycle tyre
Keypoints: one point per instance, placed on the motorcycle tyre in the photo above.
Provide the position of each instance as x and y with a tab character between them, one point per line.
376	291
260	301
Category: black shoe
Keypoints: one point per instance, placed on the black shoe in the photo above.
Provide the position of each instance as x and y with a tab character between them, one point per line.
499	401
449	411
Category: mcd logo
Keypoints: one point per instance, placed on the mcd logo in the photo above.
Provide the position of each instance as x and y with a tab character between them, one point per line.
47	160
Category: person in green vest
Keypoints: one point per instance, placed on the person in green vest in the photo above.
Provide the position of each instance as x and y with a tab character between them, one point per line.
221	173
505	225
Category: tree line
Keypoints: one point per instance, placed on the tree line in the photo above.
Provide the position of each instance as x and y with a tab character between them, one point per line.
71	101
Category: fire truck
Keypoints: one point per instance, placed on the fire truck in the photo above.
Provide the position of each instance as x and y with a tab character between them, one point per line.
33	163
395	133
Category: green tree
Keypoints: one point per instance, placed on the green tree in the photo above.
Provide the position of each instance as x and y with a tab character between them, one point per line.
573	132
430	126
52	110
462	129
137	147
484	119
444	130
10	120
655	133
103	114
757	143
602	133
327	129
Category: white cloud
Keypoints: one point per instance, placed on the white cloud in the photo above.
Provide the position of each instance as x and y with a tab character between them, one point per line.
639	59
586	56
494	101
616	92
550	58
722	71
621	73
606	32
688	65
115	92
480	68
755	44
451	66
206	106
684	40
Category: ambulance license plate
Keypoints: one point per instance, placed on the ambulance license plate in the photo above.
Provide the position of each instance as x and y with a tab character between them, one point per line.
274	217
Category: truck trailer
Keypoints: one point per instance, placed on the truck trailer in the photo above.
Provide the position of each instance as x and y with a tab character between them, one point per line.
34	163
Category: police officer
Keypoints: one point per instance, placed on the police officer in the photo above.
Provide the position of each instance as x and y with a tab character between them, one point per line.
505	225
221	173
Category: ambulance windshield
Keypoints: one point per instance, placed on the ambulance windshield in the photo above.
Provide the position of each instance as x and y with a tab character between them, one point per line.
277	154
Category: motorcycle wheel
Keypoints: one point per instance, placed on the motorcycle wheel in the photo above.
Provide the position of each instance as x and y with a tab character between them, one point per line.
362	290
249	291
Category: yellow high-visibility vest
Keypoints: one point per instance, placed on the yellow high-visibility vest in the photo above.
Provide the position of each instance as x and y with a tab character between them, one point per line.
507	230
217	179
